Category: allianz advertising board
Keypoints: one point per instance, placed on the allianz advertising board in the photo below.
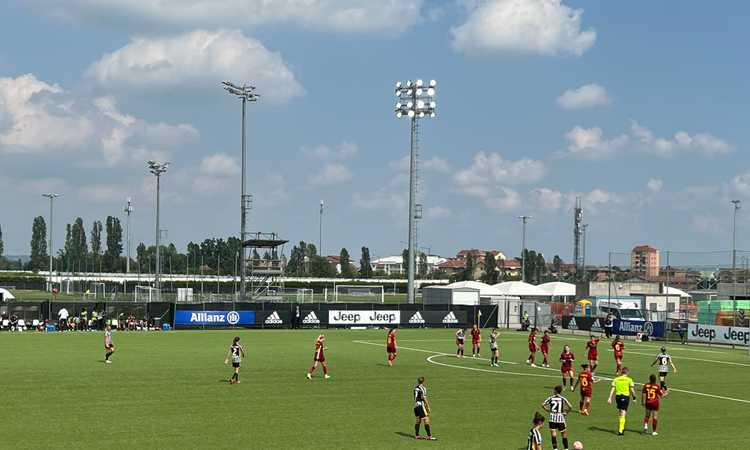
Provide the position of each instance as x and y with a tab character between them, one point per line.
371	317
214	318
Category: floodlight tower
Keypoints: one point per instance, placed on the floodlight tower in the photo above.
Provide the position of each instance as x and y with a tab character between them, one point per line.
128	211
157	168
524	221
51	198
415	100
245	93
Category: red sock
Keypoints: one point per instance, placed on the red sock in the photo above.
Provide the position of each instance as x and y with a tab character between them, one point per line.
645	422
588	404
653	425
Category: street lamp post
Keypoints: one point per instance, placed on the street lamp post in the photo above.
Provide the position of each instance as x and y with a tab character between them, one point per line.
415	101
128	212
157	168
736	204
245	93
320	230
51	198
524	220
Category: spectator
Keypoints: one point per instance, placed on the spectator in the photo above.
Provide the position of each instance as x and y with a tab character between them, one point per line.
62	319
13	322
609	323
84	325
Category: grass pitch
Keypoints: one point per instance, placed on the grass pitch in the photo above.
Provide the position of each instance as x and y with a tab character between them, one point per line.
169	391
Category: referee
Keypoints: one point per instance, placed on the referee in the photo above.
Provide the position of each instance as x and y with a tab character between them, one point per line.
624	388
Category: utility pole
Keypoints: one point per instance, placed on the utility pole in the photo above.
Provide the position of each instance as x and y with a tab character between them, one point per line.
128	212
737	204
157	169
524	220
51	198
320	231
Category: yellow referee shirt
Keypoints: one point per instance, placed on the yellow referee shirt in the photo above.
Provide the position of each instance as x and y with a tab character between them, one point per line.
622	385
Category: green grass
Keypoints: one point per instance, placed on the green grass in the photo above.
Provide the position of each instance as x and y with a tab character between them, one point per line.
169	391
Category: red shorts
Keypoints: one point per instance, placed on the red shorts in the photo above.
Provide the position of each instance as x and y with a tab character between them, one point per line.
545	348
473	342
586	392
652	406
593	356
532	348
566	368
390	349
319	357
618	355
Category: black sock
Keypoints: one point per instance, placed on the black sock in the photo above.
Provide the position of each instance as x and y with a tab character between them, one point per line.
416	429
427	429
554	442
107	355
565	443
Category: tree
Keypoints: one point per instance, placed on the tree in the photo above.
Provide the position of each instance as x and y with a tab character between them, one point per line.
296	264
365	269
347	271
141	257
405	261
540	268
422	265
490	269
79	245
96	243
321	268
557	264
114	245
39	256
468	274
193	256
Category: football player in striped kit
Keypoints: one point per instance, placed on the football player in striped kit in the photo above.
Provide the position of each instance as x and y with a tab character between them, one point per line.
236	352
557	406
422	410
535	434
495	358
664	361
109	346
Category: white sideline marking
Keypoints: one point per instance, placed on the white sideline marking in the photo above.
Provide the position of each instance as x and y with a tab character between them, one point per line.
638	344
688	357
431	352
436	354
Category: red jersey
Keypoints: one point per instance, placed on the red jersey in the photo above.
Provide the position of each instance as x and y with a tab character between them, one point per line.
567	358
319	356
653	394
390	341
545	342
532	342
586	381
476	335
618	347
592	350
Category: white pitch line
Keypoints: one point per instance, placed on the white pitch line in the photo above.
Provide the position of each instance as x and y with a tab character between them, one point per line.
431	352
478	369
630	352
638	344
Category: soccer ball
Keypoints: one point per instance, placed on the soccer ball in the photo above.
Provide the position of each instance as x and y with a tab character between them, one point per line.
578	445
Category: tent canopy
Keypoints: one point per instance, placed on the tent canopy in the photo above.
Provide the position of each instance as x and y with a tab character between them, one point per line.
520	289
559	289
669	290
6	294
485	290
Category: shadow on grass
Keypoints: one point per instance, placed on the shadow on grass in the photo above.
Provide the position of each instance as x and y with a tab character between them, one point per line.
613	432
406	435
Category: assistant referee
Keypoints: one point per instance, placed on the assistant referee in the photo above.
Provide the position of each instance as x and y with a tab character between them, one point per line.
623	389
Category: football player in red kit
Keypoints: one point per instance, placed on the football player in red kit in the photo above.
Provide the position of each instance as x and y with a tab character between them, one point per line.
593	352
650	396
390	346
586	382
566	365
319	358
618	346
476	340
532	348
545	348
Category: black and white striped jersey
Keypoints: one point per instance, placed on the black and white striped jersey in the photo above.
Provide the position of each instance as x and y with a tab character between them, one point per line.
662	361
235	351
535	437
556	407
493	340
420	395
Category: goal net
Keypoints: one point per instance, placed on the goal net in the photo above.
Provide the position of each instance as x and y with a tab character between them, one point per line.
352	293
305	295
96	290
146	294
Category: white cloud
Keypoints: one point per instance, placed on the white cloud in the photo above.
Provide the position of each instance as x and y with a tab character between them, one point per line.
220	165
707	224
586	96
591	143
272	191
39	118
437	213
387	17
546	200
331	175
199	59
740	184
382	199
546	27
655	185
341	151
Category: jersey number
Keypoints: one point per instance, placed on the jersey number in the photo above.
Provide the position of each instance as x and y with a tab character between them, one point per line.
584	382
556	406
651	394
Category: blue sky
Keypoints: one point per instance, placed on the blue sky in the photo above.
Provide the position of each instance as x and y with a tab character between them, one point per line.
639	107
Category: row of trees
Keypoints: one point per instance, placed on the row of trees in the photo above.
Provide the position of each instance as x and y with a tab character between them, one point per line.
535	270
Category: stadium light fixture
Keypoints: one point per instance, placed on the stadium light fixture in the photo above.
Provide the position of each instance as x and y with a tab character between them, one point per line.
246	93
414	102
51	198
157	169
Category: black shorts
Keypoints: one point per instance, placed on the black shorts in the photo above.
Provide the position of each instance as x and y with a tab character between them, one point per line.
235	364
419	412
622	402
558	426
663	374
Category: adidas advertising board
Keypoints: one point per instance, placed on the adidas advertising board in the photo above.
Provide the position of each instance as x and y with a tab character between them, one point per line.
597	326
450	318
417	319
311	319
572	325
273	319
718	334
373	317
